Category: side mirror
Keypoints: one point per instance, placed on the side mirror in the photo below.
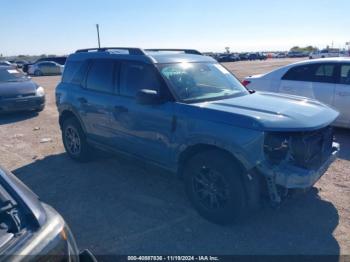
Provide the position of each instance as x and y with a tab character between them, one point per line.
148	97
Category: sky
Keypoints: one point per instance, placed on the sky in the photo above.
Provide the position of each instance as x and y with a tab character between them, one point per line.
62	26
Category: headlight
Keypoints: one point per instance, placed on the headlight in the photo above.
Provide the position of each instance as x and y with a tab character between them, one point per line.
40	91
276	147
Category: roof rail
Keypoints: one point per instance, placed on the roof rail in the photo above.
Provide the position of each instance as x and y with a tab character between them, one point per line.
131	50
186	51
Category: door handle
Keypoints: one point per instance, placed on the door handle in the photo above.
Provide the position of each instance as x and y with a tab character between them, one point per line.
120	109
82	100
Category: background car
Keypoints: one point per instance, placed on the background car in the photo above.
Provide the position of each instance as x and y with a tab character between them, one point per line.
18	92
326	80
281	55
45	68
58	59
293	54
257	56
227	58
21	63
6	63
324	53
243	56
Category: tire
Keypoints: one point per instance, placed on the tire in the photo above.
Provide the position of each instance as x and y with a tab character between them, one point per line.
213	175
74	140
38	73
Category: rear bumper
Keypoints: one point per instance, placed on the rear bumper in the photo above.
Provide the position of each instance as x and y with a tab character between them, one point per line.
290	176
22	104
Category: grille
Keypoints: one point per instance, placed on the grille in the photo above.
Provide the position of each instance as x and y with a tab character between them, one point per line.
311	149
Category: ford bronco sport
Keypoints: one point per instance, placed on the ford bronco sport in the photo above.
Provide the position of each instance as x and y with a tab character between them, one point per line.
185	112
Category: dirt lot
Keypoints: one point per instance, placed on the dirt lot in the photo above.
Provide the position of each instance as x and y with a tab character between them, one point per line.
116	206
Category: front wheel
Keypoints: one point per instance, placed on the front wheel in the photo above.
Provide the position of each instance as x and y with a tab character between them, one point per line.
74	140
214	186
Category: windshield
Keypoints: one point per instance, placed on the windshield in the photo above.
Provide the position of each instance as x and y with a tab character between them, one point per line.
201	81
11	75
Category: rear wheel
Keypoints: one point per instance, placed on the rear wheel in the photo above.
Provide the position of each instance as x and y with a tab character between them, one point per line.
74	140
214	186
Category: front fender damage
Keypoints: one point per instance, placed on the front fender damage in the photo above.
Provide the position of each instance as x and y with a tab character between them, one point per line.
289	176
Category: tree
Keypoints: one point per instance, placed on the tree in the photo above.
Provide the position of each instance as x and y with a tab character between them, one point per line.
303	49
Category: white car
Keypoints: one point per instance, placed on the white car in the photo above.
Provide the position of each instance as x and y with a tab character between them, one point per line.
326	80
325	53
45	68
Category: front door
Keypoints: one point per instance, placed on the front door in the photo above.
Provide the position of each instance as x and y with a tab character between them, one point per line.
142	130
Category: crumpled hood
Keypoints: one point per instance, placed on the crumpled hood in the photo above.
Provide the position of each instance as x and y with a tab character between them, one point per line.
273	112
8	89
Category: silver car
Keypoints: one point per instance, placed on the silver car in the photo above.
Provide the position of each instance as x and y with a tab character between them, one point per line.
45	68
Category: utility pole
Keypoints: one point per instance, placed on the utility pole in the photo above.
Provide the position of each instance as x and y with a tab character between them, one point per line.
98	35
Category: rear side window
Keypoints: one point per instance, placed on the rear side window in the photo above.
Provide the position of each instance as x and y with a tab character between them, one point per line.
322	73
74	72
299	73
135	76
101	76
345	74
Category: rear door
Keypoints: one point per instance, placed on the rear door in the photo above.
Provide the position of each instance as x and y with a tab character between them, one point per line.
44	68
296	81
316	81
55	69
323	82
342	95
96	100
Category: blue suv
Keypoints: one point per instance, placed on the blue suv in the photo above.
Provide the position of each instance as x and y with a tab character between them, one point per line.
188	114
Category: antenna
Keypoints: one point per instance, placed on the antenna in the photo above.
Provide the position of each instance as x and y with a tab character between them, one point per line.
98	35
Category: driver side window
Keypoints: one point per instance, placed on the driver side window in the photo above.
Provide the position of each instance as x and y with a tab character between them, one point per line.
135	76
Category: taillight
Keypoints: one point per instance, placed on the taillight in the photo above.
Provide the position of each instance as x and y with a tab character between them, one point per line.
245	83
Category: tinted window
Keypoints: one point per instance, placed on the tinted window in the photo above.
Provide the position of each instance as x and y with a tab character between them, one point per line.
299	73
60	60
100	76
345	74
324	73
136	76
74	72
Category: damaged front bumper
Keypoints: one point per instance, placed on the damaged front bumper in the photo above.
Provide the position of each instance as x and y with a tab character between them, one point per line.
293	177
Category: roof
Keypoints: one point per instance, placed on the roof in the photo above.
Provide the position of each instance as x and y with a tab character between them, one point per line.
318	60
151	56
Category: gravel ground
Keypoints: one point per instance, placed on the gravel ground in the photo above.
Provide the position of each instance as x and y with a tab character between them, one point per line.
118	206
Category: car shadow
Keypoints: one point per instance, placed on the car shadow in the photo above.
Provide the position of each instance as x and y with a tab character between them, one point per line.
342	136
120	206
9	118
